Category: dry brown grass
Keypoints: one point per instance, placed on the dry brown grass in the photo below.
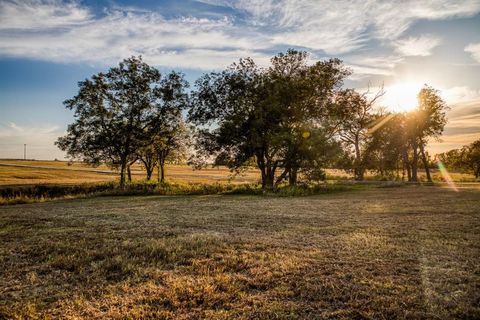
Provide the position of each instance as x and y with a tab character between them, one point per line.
411	252
59	172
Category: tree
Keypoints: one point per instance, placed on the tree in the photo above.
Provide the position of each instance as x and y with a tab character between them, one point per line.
425	123
148	158
116	114
249	112
303	95
171	144
386	145
355	116
472	158
465	159
171	136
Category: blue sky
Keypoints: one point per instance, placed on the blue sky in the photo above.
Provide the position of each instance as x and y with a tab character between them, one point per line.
46	47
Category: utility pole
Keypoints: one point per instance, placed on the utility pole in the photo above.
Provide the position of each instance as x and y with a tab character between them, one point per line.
24	151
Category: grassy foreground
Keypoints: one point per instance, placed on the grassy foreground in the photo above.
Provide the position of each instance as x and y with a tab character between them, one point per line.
411	252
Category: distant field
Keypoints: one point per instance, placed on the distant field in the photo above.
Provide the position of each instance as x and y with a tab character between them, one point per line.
60	172
382	253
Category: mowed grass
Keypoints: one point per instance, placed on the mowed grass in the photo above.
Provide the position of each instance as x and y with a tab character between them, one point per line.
381	253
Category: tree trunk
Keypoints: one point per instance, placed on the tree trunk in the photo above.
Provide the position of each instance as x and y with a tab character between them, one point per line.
292	177
269	183
415	162
264	170
264	178
282	176
122	174
359	174
406	166
149	164
425	162
149	173
269	177
161	172
129	172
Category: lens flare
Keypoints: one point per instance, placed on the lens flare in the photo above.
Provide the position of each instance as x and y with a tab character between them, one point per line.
446	176
381	123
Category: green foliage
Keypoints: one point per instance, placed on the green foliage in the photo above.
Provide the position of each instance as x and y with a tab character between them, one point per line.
119	112
465	159
263	113
353	117
291	120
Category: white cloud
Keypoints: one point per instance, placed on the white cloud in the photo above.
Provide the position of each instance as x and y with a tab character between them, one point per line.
372	66
417	46
474	50
37	15
68	32
179	42
460	94
343	25
12	130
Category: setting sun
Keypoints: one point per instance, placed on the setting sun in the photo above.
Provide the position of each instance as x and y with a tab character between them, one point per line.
402	97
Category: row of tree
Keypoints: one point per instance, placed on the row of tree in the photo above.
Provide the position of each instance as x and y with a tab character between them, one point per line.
465	159
291	120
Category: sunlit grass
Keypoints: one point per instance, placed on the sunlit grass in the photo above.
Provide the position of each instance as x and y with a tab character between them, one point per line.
409	252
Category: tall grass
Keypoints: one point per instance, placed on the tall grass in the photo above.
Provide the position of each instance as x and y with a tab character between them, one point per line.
41	193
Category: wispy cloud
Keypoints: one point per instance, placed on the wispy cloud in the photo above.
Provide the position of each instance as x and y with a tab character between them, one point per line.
343	25
178	42
70	32
463	127
35	15
12	130
474	50
417	46
461	94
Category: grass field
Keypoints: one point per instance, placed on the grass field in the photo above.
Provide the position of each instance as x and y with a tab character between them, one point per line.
20	172
381	253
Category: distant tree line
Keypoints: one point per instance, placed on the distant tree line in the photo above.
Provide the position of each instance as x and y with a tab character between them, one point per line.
465	159
291	120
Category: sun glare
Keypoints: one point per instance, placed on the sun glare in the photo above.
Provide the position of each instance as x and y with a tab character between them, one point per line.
402	97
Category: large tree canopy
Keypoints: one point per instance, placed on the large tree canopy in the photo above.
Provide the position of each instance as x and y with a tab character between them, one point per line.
119	112
266	114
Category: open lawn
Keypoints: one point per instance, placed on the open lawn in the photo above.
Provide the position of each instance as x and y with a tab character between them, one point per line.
381	253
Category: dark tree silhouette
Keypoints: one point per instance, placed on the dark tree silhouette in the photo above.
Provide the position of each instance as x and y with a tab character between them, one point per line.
263	113
119	112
